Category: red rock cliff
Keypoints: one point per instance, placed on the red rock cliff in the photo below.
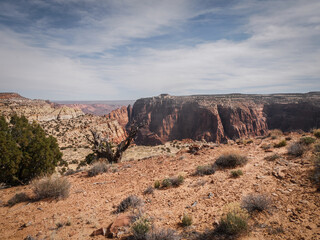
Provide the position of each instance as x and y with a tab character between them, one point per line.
221	117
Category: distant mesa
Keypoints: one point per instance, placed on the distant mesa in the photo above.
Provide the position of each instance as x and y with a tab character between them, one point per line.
10	95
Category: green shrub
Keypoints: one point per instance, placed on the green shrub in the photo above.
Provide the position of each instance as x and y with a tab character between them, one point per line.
205	170
234	221
231	160
25	151
140	228
130	202
97	168
166	183
236	173
307	140
157	184
316	133
281	144
257	202
296	149
18	198
186	220
51	187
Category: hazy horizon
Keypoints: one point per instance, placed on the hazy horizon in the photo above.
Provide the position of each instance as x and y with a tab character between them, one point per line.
93	50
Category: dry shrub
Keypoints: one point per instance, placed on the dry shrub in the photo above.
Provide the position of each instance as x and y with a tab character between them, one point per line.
234	221
130	202
231	160
266	146
307	140
296	149
275	133
18	198
149	190
162	234
280	144
257	202
97	168
140	228
272	157
51	187
316	133
205	170
172	182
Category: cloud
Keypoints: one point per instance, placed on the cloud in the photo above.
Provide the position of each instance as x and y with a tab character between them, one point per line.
132	49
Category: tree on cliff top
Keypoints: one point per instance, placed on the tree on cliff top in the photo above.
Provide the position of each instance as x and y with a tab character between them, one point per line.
25	151
103	148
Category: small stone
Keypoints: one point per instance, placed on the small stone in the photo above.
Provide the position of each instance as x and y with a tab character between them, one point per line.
194	204
274	194
210	195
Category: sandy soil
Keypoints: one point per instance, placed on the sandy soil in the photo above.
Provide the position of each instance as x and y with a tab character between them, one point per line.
91	203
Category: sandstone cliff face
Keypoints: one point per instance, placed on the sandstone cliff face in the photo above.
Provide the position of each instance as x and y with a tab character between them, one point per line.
221	117
38	110
121	115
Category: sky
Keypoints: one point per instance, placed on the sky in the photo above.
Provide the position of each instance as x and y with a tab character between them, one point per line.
128	49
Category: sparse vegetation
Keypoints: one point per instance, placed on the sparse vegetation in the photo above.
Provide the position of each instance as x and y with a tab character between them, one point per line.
280	144
25	151
316	133
130	202
234	221
296	149
272	157
18	198
307	140
186	220
205	170
157	184
149	190
257	202
275	133
97	168
162	234
316	172
231	160
236	173
140	228
266	146
172	182
51	187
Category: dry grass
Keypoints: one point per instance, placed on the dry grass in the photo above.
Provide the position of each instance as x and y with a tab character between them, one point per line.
97	168
51	187
296	149
130	202
257	202
205	170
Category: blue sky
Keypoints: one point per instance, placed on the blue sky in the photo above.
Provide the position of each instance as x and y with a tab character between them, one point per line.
127	49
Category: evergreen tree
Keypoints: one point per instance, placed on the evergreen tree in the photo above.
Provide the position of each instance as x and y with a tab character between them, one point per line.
26	151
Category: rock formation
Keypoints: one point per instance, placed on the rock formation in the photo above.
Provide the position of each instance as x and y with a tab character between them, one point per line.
221	117
121	115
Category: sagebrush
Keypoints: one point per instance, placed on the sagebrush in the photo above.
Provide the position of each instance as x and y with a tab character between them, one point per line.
51	187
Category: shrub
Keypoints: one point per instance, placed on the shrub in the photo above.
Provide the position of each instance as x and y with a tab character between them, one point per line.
162	234
236	173
149	190
307	140
274	133
258	202
140	228
186	220
234	221
272	157
266	146
51	187
97	168
231	160
130	202
316	133
157	184
174	181
296	149
205	170
18	198
317	148
281	144
25	151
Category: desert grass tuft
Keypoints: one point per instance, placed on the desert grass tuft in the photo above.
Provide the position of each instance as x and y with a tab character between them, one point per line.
231	160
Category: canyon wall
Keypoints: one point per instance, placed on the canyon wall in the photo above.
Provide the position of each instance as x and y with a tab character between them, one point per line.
221	117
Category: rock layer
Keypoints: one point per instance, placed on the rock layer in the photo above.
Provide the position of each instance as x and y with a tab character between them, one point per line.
221	117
